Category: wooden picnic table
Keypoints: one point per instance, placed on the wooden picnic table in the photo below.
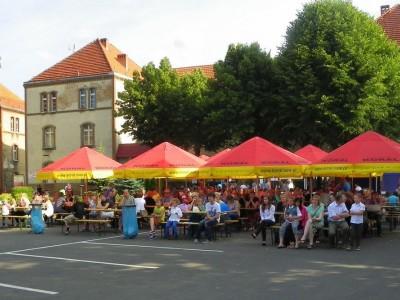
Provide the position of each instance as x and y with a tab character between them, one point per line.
102	209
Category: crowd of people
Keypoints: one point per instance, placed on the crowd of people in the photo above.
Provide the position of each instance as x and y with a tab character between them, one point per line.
344	212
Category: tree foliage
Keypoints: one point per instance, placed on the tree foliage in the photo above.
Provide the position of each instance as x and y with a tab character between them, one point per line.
242	96
336	76
340	76
158	106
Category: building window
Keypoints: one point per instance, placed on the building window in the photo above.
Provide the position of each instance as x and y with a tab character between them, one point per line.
49	137
44	102
87	135
92	98
14	152
82	99
53	101
12	124
16	124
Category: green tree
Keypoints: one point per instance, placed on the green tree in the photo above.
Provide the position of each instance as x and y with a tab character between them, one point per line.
339	75
243	97
158	105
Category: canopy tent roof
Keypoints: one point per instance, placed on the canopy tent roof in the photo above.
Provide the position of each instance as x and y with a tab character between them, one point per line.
163	161
204	157
311	153
253	158
83	163
368	154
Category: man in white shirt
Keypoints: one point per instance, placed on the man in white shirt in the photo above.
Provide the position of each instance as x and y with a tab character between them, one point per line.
213	213
337	212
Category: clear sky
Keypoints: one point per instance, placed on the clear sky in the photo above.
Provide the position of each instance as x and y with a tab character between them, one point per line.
35	34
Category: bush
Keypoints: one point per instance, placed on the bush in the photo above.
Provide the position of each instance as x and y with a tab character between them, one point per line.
5	197
18	190
119	184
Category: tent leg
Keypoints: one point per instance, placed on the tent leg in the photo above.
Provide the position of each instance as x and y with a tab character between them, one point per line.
370	182
311	185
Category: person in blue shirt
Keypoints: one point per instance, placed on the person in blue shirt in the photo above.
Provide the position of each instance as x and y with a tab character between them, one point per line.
393	199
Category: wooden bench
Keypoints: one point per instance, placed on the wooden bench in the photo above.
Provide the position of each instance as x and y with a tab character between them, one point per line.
20	218
101	222
182	225
228	226
244	223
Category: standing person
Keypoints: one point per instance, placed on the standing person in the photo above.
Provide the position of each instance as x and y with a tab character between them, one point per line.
5	211
292	216
357	216
337	214
315	220
267	214
175	214
213	213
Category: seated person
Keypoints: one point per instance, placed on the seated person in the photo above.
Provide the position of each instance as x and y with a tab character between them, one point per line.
315	220
337	214
292	215
267	214
48	210
213	213
59	204
78	211
157	217
23	207
393	199
175	214
234	207
106	204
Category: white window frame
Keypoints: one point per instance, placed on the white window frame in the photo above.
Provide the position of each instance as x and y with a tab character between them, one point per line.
12	124
92	98
53	102
88	135
49	137
16	126
44	102
83	101
14	152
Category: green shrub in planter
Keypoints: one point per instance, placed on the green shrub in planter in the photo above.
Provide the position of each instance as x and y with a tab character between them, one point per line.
18	190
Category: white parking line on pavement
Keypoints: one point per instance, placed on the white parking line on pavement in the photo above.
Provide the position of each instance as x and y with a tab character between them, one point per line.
154	247
84	261
60	245
23	288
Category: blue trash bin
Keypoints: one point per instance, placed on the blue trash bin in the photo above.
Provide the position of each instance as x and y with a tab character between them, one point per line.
129	221
37	222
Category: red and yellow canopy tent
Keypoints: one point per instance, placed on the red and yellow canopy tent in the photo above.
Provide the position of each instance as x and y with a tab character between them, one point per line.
204	157
83	163
369	154
163	161
255	158
311	153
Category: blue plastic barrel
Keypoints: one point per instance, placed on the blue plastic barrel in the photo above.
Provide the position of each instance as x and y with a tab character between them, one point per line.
129	221
37	222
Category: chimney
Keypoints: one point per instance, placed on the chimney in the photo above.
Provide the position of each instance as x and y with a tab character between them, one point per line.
104	42
123	60
384	9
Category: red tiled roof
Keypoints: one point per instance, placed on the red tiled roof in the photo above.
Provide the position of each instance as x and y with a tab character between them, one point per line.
9	100
130	150
390	22
207	70
99	57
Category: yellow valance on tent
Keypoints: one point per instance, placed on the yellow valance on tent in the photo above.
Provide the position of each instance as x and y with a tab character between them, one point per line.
148	173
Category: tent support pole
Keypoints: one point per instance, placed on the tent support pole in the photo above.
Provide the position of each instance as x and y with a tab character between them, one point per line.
370	182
